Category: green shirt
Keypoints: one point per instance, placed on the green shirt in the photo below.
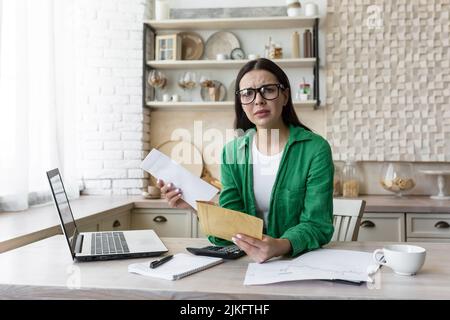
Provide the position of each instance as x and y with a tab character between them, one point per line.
301	203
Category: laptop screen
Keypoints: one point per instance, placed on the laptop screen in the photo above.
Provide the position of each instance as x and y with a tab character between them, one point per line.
63	207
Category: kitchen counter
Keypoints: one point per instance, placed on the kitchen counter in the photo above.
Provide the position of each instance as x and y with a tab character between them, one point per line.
413	204
20	228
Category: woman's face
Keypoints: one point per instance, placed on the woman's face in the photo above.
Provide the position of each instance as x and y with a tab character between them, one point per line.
262	112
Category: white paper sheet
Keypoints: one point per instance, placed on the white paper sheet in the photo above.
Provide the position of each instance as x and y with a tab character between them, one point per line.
193	188
320	264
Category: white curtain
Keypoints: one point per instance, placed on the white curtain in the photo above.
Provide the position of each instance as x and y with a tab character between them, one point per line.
38	115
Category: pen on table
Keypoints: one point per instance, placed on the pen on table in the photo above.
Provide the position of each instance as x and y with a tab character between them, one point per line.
157	263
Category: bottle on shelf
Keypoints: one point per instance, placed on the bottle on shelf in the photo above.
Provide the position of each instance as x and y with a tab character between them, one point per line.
337	181
307	44
267	48
295	42
350	180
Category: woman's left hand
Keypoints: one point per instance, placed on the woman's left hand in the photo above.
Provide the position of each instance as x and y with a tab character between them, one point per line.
262	250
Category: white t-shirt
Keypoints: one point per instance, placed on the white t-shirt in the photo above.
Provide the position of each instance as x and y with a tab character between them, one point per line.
265	170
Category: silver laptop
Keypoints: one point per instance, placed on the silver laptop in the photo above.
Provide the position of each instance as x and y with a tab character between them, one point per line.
108	245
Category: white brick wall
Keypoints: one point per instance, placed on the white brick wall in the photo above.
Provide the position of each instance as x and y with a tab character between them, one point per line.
113	124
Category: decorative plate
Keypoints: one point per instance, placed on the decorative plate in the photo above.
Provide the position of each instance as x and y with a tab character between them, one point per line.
220	42
191	46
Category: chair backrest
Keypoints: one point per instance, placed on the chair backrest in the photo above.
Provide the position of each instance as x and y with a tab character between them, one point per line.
347	215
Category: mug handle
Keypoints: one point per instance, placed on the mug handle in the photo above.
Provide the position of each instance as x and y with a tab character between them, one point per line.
379	260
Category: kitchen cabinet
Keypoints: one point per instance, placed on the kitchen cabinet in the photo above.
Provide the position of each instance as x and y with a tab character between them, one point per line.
165	222
382	227
117	222
89	227
432	227
152	28
445	240
409	227
107	222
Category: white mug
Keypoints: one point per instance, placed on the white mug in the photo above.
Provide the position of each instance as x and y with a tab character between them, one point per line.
221	56
166	97
175	98
311	9
405	260
294	12
253	56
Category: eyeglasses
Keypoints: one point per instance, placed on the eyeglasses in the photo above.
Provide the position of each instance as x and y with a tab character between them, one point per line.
267	91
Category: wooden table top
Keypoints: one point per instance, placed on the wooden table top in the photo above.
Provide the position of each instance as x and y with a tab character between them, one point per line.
45	269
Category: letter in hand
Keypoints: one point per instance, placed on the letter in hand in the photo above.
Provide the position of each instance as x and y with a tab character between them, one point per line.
173	195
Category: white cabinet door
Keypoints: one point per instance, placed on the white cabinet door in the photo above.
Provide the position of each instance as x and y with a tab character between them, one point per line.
436	240
165	222
428	225
115	222
382	227
92	227
196	229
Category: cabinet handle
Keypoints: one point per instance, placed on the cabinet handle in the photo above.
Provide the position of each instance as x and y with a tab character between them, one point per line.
367	224
116	224
442	225
160	219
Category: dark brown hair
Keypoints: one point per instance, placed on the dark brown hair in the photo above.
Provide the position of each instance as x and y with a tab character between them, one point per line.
288	114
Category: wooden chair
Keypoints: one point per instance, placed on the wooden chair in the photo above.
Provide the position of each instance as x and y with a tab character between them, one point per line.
347	215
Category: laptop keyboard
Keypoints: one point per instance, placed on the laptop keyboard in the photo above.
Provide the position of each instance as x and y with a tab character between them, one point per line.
108	243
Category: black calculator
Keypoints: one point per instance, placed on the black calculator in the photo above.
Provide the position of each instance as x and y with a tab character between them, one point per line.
227	252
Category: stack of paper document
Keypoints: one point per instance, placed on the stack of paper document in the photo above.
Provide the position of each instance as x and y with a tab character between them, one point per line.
321	264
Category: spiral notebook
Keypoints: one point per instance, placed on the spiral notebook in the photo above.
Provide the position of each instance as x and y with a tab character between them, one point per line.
180	266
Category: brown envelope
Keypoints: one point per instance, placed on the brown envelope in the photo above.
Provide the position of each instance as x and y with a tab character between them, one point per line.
226	223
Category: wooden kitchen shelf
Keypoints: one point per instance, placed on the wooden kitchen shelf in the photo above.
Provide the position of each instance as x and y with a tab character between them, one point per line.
152	29
225	64
210	106
233	23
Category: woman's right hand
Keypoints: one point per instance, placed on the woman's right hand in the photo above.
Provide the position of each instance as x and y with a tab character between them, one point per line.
172	195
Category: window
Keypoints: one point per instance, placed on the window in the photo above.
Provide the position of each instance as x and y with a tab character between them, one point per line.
35	75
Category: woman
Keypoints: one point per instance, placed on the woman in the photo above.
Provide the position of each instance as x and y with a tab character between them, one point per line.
279	170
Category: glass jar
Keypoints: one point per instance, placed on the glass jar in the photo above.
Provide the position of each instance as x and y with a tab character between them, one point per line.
397	177
276	51
337	181
350	180
303	92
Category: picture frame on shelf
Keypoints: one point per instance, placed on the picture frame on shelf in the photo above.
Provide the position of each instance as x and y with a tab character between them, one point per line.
168	47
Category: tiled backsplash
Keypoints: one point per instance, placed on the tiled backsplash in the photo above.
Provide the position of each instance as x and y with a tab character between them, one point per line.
388	80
